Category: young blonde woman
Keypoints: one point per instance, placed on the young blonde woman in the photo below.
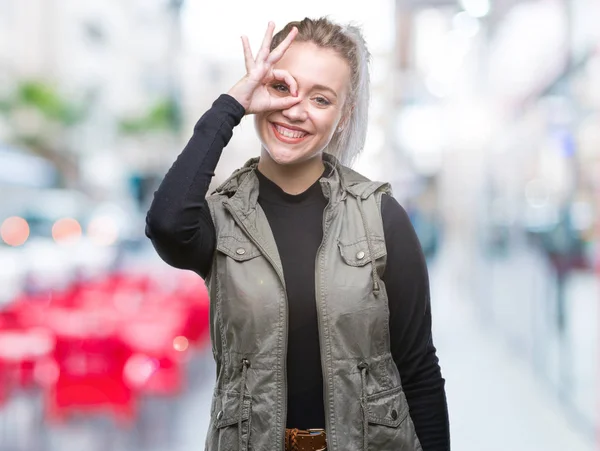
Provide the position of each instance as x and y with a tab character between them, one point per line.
320	312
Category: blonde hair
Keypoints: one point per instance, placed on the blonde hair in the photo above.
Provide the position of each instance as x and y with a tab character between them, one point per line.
349	43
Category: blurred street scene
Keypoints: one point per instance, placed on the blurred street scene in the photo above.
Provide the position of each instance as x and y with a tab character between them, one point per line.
485	117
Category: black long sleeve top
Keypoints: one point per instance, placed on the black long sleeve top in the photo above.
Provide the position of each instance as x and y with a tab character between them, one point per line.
181	229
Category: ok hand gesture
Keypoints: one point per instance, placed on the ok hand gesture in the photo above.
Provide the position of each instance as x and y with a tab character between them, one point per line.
252	90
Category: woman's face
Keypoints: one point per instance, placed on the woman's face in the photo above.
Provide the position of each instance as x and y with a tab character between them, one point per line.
302	132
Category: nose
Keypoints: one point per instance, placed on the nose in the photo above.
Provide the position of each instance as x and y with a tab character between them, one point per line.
296	113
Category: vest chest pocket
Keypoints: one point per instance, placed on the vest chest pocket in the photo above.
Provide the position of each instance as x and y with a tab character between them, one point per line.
358	253
356	270
226	420
238	248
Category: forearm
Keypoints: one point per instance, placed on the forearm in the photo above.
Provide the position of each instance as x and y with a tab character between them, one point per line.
426	396
407	286
178	221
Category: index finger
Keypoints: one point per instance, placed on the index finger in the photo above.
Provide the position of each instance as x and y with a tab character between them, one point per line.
266	43
248	58
278	51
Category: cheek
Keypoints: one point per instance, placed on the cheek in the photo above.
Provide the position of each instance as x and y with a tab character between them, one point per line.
327	122
260	123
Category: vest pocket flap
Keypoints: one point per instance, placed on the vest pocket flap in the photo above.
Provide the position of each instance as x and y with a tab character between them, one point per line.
388	408
357	253
227	411
236	248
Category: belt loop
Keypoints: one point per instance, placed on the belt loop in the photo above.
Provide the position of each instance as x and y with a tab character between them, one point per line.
294	440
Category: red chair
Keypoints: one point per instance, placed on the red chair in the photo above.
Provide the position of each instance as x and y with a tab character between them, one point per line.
196	328
157	365
4	384
192	295
162	376
20	352
90	361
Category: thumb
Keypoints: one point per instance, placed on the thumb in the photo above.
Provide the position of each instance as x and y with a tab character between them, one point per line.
284	103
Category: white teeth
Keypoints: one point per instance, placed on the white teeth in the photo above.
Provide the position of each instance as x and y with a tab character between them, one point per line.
289	133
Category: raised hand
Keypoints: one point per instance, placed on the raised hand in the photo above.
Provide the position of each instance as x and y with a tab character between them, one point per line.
252	90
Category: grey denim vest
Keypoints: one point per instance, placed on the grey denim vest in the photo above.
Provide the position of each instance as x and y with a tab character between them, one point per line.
365	406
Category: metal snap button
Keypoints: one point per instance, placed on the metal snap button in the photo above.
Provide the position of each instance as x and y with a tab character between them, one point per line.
240	251
220	415
360	255
394	414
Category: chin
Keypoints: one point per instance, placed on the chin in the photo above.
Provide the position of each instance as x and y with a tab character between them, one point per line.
284	158
287	157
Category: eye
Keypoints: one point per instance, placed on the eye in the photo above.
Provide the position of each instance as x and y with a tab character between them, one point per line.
280	87
322	101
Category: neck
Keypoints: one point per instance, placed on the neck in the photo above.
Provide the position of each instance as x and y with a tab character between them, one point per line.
294	178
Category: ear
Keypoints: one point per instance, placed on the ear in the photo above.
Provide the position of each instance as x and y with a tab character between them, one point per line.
345	119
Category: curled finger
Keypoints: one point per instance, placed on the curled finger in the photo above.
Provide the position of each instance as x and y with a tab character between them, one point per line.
284	75
284	103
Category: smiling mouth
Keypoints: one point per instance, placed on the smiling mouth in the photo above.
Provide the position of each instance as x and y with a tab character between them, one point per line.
288	135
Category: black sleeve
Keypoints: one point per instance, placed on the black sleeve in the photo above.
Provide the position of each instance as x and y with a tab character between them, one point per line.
407	284
179	223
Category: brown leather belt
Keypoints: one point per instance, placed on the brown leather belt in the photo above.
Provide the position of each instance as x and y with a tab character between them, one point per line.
305	440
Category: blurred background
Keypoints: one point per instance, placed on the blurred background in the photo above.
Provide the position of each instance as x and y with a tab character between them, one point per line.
485	117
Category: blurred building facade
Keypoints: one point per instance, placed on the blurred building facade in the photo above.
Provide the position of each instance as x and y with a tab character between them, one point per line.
498	118
116	62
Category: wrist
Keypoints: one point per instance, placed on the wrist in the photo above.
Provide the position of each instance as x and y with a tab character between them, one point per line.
230	105
240	96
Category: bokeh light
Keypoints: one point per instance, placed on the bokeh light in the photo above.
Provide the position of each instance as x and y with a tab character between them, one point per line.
180	343
138	369
14	231
66	230
103	231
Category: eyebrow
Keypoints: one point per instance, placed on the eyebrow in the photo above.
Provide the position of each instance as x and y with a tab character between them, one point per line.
324	88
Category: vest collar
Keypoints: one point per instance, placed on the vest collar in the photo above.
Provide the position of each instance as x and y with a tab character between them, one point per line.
242	186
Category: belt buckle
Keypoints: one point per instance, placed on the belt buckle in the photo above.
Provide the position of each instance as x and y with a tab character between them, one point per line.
318	432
